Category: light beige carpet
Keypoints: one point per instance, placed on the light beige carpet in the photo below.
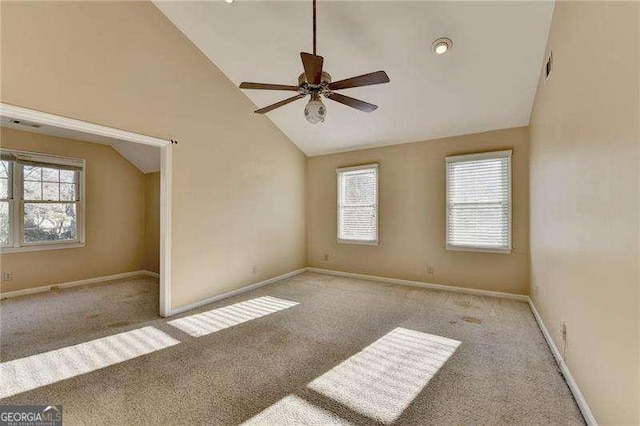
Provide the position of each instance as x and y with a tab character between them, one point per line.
46	321
501	372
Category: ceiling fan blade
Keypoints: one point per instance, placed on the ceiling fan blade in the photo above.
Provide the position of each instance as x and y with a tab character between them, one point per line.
377	77
352	102
267	86
278	104
312	67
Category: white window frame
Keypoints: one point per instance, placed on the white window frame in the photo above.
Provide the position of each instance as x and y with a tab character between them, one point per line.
340	170
472	157
16	204
10	200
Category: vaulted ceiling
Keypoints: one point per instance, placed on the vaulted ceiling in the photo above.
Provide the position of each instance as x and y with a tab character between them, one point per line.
486	82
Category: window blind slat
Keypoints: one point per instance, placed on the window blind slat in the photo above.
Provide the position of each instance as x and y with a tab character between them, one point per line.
479	202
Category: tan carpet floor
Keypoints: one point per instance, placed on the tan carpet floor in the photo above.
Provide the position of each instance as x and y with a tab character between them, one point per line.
501	373
46	321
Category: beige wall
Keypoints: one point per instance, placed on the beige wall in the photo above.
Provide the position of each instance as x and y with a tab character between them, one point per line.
584	201
238	182
412	215
114	217
151	257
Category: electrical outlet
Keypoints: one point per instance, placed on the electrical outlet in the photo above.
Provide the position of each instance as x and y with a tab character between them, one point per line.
430	269
7	276
563	330
326	257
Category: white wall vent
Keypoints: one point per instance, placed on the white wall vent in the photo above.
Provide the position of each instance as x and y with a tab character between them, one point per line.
25	123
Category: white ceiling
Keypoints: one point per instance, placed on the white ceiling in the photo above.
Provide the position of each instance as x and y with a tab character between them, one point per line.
486	82
145	157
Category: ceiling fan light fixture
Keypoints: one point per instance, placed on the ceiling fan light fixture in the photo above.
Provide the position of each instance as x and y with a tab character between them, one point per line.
315	111
442	45
316	82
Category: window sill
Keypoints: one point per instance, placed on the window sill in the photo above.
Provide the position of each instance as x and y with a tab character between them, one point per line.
358	242
42	247
480	249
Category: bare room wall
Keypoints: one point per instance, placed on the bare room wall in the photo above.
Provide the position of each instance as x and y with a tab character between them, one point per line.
585	139
238	181
114	217
151	257
412	215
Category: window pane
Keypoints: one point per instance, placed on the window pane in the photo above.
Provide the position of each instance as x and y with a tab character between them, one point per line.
4	223
358	223
67	192
4	169
357	205
479	202
49	222
359	187
478	181
67	176
32	191
50	175
50	191
44	183
478	225
32	173
4	188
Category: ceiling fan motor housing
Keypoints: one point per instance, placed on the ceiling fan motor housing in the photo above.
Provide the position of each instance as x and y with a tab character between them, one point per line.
324	80
321	85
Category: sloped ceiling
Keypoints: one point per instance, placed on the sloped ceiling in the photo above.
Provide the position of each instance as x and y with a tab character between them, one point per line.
486	82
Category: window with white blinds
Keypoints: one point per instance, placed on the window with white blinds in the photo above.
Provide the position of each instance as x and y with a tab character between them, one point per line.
479	202
358	204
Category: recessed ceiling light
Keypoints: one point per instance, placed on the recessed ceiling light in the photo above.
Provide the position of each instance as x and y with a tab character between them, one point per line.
442	45
229	1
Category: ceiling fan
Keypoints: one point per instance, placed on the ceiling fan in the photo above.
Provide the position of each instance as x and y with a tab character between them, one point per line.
316	83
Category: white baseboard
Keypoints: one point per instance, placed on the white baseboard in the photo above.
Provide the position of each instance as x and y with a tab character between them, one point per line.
521	297
16	293
573	386
240	290
151	274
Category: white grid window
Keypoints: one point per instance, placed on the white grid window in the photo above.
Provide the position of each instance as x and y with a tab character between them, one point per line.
479	202
41	202
358	204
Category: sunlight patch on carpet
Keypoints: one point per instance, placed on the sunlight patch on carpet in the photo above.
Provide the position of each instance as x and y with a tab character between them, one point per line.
218	319
24	374
292	410
381	380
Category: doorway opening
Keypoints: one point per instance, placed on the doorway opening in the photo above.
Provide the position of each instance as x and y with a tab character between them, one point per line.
42	212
